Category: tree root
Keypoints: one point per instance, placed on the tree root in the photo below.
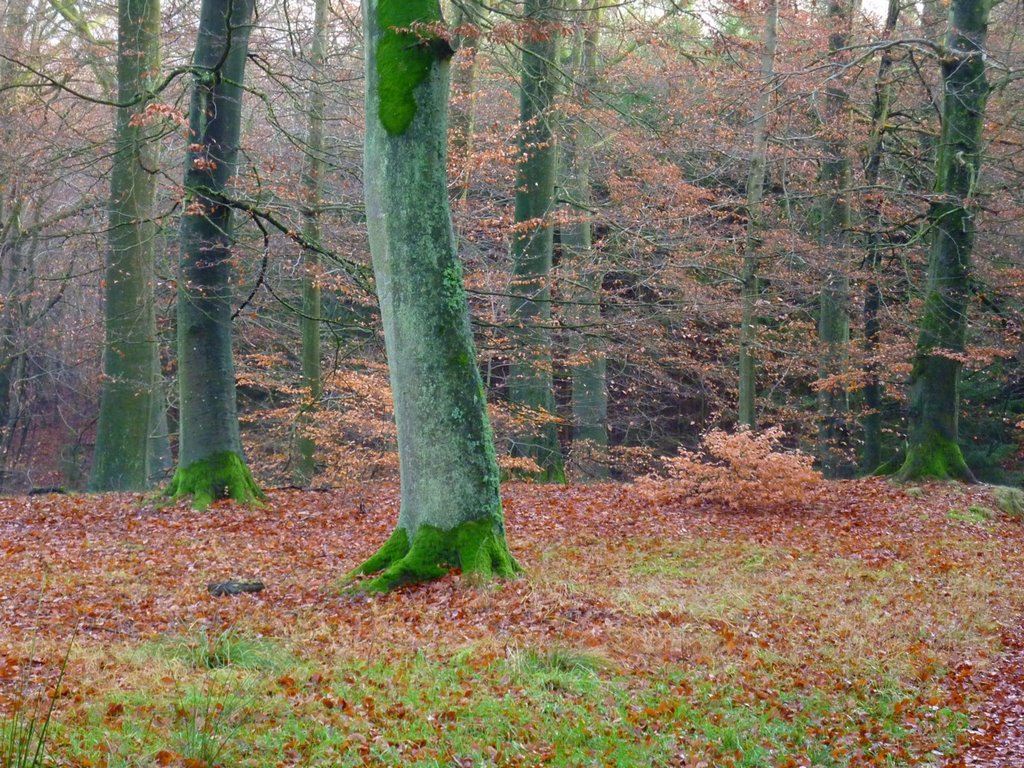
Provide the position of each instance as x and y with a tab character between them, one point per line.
220	476
478	547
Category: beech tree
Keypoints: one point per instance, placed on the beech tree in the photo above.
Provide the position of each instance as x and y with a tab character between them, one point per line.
210	463
834	315
128	454
531	383
871	456
589	373
312	183
450	503
933	447
746	411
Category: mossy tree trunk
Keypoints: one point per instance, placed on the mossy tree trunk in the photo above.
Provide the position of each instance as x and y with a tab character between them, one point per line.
933	449
746	412
834	318
531	385
589	379
871	456
312	185
451	507
210	463
127	455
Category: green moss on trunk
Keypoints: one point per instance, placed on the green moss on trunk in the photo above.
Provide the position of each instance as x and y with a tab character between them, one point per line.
935	458
404	58
219	476
477	547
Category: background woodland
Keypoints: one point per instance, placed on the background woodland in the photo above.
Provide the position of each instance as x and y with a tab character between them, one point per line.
660	115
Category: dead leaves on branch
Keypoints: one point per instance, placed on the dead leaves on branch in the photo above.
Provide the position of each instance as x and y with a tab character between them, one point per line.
744	470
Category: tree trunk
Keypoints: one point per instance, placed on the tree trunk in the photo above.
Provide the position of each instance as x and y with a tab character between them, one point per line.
871	458
747	414
463	109
589	385
531	384
131	354
312	184
210	463
933	449
834	319
451	507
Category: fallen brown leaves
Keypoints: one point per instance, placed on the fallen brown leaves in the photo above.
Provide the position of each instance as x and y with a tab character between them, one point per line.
861	571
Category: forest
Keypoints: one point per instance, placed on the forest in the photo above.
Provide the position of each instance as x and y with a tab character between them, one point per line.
693	219
689	334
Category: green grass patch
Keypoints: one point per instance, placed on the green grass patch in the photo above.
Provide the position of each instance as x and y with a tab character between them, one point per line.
202	648
975	515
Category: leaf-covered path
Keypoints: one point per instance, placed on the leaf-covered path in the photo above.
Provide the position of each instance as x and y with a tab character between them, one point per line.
864	622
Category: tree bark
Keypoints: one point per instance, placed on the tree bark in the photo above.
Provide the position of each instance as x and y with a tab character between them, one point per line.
834	319
463	109
125	452
747	413
210	463
312	184
531	386
450	503
933	449
589	384
871	457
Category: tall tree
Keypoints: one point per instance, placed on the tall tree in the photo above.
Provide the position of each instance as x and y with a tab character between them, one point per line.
312	185
463	105
127	454
451	507
933	449
589	372
747	414
834	316
532	377
871	457
210	463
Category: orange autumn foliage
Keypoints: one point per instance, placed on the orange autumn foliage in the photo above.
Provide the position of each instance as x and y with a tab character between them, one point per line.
741	470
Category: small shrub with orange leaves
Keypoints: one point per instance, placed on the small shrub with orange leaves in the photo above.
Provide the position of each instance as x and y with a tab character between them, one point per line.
742	470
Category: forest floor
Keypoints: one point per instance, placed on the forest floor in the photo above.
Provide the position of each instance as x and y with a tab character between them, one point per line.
870	627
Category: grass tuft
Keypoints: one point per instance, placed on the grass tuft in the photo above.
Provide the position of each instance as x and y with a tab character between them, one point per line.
558	668
207	727
1009	500
202	649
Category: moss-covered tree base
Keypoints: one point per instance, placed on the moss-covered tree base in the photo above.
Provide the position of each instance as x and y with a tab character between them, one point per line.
938	459
477	547
220	476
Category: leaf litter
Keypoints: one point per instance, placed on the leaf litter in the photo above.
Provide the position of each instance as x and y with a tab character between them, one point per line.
895	614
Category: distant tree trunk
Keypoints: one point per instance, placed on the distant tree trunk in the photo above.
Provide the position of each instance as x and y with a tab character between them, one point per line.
210	463
463	111
589	384
131	369
160	458
451	507
834	318
532	377
747	413
933	449
312	184
13	344
871	457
